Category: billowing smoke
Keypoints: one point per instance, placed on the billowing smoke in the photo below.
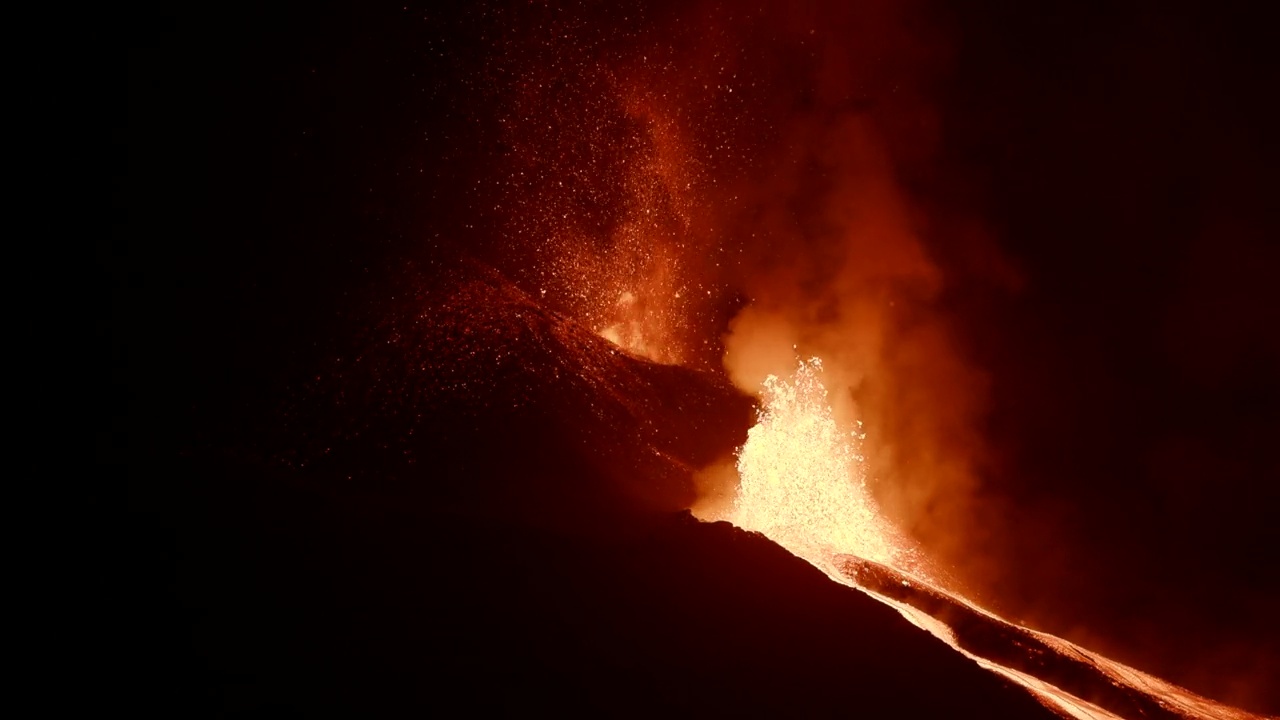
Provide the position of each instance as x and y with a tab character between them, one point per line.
737	188
838	255
855	285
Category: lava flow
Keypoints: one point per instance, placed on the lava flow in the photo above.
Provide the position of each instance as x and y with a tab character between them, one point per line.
802	484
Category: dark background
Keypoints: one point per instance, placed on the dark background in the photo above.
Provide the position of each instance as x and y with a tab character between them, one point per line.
280	164
1127	153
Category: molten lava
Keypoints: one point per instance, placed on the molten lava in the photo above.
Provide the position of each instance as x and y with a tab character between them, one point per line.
803	480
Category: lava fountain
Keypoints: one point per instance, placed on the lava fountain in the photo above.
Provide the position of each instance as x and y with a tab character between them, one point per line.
803	480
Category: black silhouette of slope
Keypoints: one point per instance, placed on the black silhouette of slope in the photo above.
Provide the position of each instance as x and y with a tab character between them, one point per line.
481	512
470	393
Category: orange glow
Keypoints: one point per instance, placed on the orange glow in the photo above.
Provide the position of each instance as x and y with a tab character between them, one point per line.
634	332
643	267
641	324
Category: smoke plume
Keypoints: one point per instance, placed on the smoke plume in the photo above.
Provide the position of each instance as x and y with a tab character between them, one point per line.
735	188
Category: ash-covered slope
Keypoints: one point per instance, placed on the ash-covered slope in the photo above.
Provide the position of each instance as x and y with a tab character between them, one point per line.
479	511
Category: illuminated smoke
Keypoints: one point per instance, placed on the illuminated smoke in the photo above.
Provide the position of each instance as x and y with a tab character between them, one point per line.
678	174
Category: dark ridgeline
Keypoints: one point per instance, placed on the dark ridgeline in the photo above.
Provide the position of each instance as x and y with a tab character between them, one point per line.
483	512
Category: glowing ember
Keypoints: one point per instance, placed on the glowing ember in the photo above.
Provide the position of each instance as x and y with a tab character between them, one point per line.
803	481
639	331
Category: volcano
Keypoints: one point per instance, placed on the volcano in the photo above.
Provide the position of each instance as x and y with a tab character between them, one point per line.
483	507
898	359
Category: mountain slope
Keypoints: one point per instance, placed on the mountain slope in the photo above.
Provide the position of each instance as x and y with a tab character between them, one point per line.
482	507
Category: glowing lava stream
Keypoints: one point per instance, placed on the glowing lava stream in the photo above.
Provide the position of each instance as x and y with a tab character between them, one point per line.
802	484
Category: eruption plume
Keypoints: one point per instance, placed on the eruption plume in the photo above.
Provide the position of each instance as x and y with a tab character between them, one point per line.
732	191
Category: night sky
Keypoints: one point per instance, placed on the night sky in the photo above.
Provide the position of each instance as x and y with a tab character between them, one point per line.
1109	167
